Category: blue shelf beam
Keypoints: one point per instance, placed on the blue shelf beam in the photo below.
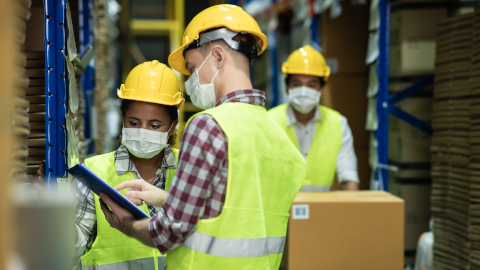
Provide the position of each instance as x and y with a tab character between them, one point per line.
55	89
382	95
411	90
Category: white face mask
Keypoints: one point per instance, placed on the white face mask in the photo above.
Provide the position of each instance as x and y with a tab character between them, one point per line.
202	95
304	99
144	143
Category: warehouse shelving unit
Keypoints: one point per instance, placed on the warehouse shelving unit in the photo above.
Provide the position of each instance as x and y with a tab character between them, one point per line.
57	81
55	89
386	103
88	78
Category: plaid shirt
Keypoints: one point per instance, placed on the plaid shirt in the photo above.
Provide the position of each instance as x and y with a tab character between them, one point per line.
199	186
84	206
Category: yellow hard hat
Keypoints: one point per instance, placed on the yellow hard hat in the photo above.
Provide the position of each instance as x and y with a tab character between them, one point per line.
228	16
308	61
152	82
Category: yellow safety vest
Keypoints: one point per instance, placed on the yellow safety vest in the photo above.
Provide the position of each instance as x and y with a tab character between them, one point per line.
265	172
112	249
322	158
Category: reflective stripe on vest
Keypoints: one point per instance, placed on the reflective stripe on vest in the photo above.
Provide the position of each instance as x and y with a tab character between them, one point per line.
265	172
111	248
143	264
234	247
322	157
316	188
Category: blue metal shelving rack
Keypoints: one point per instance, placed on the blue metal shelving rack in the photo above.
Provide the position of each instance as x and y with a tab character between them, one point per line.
386	102
88	78
55	89
56	81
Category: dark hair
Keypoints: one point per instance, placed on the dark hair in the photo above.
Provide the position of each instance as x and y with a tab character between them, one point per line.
289	77
172	111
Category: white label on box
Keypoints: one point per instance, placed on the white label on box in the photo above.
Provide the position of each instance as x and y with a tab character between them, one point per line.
300	211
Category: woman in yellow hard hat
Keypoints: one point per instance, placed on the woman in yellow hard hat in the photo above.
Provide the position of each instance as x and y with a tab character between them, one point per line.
151	98
322	135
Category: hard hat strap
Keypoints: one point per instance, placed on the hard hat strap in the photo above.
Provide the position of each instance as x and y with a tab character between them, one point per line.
227	35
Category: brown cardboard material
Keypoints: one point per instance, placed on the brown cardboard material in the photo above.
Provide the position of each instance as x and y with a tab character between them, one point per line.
366	225
349	47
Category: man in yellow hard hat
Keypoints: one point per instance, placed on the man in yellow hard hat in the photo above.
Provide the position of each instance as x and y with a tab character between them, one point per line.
238	172
321	134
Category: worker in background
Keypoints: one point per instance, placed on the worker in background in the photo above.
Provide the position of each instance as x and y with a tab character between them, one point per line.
322	135
151	98
238	172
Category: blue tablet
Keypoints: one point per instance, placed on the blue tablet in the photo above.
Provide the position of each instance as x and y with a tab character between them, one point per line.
97	185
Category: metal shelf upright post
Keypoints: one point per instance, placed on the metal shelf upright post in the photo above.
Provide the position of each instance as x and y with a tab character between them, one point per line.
88	78
55	89
386	102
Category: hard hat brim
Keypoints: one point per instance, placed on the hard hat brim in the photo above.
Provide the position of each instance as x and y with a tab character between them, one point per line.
177	61
179	103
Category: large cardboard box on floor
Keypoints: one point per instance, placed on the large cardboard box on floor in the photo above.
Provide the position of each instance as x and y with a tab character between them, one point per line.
337	230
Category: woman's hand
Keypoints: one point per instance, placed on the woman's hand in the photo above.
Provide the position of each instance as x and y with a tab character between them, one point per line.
141	191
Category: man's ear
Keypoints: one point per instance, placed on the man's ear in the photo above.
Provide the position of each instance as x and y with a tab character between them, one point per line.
219	54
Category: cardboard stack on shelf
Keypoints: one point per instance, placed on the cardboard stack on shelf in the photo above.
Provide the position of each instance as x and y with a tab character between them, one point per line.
450	144
412	58
474	168
36	97
21	126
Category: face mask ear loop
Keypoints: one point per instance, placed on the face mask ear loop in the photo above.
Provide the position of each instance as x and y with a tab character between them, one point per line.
215	75
204	61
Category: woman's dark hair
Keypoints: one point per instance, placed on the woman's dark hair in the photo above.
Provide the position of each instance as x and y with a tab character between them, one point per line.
172	111
289	76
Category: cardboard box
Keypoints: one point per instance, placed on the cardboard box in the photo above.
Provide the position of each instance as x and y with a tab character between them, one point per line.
344	39
345	230
412	39
417	208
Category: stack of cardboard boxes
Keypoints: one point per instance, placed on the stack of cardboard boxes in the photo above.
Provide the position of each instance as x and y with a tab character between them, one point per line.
29	111
412	57
451	150
20	126
474	166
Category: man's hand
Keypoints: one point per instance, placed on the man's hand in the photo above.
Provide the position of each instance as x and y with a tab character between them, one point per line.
350	185
118	217
141	191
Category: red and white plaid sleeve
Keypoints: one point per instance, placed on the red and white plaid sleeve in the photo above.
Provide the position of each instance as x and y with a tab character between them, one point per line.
199	186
